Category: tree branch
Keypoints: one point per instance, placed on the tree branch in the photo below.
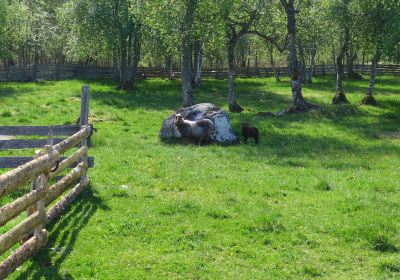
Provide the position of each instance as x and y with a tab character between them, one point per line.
285	5
246	26
298	10
271	40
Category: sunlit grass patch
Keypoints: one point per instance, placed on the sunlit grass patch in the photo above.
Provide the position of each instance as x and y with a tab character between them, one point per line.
318	198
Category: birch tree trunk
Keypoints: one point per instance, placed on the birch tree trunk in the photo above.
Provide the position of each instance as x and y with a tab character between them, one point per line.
233	105
168	66
187	88
186	75
137	50
340	97
369	98
334	56
372	80
234	31
303	62
128	82
35	50
198	61
129	57
312	66
350	57
349	61
115	63
126	43
123	64
271	60
299	103
35	62
363	63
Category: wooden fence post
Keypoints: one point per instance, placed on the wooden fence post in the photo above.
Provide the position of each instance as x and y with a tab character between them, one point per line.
84	117
40	182
35	184
44	184
84	120
50	140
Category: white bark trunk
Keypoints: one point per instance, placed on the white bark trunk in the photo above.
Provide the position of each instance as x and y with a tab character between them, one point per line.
372	80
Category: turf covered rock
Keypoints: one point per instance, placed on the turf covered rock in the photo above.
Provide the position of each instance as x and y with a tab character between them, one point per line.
222	134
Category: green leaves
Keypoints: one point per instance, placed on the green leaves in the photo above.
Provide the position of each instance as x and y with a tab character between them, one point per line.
85	30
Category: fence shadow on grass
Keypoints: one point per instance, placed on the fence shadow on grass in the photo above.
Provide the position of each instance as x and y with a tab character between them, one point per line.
63	234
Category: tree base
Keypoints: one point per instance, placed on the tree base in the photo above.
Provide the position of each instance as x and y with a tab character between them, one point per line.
235	108
368	100
126	86
355	76
301	106
339	98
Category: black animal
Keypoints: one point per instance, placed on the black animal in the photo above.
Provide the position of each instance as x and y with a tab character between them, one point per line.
172	77
143	76
250	132
199	130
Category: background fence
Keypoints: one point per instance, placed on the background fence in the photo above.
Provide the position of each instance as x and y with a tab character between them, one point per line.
65	72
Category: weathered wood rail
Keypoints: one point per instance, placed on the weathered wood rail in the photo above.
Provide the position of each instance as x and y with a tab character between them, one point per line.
45	202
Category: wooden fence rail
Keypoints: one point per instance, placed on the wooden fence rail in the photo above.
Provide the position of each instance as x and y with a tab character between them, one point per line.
65	72
45	166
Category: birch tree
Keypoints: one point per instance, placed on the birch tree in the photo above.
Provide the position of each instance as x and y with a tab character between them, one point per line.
299	103
380	28
343	19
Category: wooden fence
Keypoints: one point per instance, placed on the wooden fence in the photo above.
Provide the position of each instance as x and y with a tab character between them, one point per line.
42	172
320	70
65	72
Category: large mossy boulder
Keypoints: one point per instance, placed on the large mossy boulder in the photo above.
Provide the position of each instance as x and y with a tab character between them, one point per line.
223	133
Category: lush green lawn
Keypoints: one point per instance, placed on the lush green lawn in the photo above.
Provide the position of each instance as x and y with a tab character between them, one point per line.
318	198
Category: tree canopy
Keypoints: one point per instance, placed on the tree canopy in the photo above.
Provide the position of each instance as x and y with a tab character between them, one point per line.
193	34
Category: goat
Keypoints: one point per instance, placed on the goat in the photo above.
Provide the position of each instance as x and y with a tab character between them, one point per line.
250	132
199	130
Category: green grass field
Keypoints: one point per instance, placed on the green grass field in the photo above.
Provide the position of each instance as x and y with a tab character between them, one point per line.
318	198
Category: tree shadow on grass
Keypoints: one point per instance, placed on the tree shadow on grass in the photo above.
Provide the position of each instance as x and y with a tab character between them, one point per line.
166	95
388	104
62	237
362	122
299	150
351	86
160	99
351	118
